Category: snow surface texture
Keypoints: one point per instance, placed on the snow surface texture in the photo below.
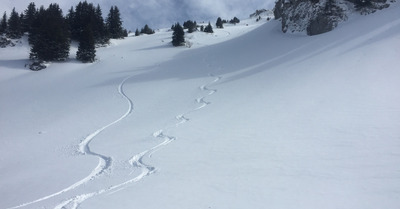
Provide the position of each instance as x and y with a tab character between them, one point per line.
245	118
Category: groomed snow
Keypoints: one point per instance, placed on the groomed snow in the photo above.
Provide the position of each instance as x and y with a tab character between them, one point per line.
247	117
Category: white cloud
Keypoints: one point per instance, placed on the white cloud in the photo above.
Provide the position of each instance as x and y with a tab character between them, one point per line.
159	13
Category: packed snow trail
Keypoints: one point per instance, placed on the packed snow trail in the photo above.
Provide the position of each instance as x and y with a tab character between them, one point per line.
84	148
137	160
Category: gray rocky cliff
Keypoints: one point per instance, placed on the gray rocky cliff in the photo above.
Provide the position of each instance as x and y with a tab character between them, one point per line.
320	16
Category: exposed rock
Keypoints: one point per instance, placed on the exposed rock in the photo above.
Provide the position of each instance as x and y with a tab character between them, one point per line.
257	13
262	13
320	16
326	19
369	6
315	17
37	65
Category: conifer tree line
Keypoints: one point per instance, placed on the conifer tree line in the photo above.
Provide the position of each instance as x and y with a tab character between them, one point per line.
191	26
50	32
178	35
146	30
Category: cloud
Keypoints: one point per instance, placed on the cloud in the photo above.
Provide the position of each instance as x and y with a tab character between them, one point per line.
162	13
226	9
159	13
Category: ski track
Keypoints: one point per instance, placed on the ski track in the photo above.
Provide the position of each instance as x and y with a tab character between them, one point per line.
105	162
183	118
137	160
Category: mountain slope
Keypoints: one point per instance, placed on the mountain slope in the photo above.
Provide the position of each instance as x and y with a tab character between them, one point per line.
260	120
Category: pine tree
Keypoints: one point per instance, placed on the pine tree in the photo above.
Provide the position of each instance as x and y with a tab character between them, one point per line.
21	20
190	25
3	24
186	24
36	25
81	19
219	23
70	19
193	27
147	30
208	28
101	36
29	16
137	33
14	25
234	20
125	33
86	49
114	23
50	37
178	36
84	15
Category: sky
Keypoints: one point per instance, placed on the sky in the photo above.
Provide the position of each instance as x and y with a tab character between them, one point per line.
159	13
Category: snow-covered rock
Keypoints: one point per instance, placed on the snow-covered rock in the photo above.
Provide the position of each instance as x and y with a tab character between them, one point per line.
262	13
320	16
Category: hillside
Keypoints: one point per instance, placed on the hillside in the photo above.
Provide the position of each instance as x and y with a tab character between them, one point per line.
246	118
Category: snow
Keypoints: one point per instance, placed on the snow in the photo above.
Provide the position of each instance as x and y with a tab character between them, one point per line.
247	117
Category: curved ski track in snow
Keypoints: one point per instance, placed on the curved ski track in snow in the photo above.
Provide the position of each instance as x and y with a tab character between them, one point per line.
201	100
84	148
183	118
137	160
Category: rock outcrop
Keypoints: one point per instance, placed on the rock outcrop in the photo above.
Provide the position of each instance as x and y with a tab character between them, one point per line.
320	16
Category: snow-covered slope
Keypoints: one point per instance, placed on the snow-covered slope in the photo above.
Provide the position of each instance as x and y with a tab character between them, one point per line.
245	118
